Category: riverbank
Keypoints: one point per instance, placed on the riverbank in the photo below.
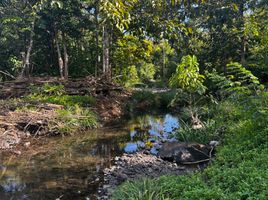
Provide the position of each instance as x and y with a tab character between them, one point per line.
50	107
240	168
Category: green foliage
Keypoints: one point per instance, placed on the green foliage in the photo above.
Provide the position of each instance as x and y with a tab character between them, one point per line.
47	89
239	170
236	80
65	100
236	72
147	71
160	35
187	76
190	86
49	93
131	76
210	131
75	116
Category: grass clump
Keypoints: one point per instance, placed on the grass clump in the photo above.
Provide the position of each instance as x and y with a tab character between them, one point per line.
74	118
240	170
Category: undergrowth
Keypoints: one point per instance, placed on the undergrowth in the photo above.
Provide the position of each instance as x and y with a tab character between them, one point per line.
49	93
239	170
153	100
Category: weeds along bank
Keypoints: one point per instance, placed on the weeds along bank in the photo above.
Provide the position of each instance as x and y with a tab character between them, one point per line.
239	170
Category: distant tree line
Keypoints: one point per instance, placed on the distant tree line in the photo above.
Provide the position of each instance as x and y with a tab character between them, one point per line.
130	41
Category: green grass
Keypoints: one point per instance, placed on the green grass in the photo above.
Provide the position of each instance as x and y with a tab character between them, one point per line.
65	100
240	170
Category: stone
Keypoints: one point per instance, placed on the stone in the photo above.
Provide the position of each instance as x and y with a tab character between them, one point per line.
27	144
182	152
116	158
213	143
122	177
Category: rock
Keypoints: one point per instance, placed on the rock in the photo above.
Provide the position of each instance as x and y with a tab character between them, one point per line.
213	143
181	152
137	166
27	144
141	144
117	158
17	152
122	177
197	126
146	152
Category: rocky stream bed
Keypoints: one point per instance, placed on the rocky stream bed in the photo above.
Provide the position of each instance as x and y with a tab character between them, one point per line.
173	158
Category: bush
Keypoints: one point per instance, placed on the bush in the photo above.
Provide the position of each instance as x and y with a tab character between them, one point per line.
236	80
147	71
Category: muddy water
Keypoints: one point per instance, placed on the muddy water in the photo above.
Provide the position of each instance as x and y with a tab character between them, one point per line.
71	167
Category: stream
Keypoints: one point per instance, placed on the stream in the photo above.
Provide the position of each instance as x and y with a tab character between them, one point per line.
71	167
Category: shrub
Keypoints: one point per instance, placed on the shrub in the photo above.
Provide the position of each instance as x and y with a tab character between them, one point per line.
236	80
147	71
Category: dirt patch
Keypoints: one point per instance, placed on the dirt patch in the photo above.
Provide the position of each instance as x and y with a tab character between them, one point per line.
16	125
111	107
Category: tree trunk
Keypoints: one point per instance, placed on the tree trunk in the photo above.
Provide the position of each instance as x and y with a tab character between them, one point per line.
66	58
26	58
243	37
106	58
164	63
60	60
97	58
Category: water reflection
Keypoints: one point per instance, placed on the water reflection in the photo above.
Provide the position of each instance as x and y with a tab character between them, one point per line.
71	167
151	130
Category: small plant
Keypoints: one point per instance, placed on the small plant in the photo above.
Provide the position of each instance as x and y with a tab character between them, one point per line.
187	76
145	190
190	84
147	71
